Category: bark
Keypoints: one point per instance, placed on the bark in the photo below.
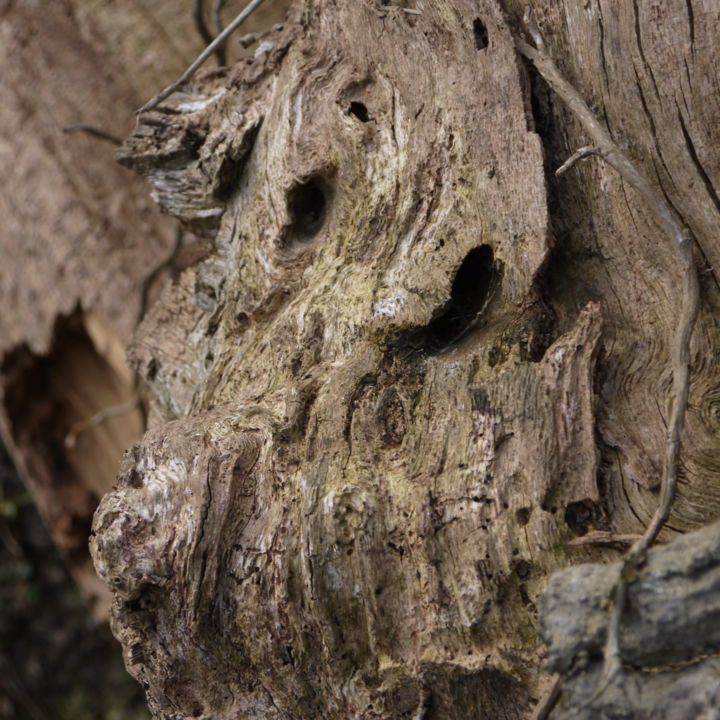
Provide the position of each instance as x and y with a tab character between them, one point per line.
414	366
670	634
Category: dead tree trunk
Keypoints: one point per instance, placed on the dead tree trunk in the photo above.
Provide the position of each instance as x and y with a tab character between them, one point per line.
414	367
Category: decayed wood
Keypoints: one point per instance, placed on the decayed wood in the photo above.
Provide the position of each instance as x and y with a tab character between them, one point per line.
657	60
410	369
354	548
688	302
382	405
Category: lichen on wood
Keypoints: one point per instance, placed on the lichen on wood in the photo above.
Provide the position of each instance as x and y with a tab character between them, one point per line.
669	633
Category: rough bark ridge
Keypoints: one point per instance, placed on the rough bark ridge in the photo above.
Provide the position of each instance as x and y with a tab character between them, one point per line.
670	635
374	429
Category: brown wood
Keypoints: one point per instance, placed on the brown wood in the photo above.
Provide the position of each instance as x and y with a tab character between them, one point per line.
412	366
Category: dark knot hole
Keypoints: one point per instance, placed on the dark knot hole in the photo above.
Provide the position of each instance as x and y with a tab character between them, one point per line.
307	205
359	110
481	34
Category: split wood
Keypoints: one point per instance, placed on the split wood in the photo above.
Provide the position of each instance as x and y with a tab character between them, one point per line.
204	55
679	235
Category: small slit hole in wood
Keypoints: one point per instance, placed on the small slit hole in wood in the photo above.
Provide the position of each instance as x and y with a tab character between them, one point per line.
359	110
474	281
481	34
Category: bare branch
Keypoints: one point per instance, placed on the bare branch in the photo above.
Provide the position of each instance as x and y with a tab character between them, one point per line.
199	19
579	154
152	273
680	236
98	418
204	55
217	15
202	28
95	132
533	29
548	701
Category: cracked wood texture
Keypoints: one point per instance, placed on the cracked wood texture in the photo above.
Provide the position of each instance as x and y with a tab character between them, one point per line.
412	369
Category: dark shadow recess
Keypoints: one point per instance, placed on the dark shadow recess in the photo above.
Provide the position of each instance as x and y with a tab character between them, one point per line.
481	34
475	283
307	206
359	110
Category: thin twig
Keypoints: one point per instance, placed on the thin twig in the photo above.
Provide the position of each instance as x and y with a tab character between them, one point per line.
424	704
199	19
680	351
579	154
204	55
152	273
202	28
217	15
612	154
95	132
548	701
99	418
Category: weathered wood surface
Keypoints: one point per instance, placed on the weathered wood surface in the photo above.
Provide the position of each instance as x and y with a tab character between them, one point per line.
670	634
412	371
649	69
